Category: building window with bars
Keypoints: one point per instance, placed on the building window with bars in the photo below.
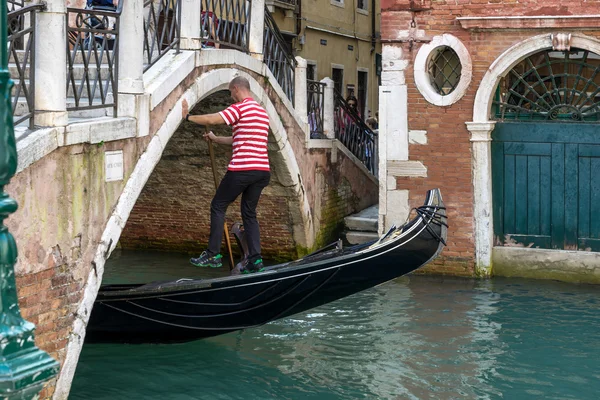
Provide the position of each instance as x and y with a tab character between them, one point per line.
443	70
362	5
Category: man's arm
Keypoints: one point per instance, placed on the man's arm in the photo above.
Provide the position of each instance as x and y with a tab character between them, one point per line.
207	119
219	139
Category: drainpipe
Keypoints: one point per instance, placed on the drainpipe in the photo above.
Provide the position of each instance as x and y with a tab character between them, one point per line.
23	367
373	39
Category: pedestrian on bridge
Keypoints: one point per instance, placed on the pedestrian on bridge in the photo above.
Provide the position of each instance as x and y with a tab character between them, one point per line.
248	172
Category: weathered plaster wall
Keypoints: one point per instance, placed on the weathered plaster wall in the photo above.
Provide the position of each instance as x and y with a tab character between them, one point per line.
446	151
64	204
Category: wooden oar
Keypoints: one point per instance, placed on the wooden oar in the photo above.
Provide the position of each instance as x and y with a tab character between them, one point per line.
214	169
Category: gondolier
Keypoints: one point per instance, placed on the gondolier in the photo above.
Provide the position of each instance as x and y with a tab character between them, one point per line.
248	172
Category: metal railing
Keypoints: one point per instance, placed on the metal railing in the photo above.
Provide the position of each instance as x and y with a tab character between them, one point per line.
21	56
315	96
162	29
93	43
225	24
354	133
278	56
13	5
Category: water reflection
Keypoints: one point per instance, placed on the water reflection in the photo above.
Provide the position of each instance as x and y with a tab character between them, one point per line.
413	338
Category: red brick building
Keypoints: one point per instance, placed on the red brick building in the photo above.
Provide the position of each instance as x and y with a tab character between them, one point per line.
497	102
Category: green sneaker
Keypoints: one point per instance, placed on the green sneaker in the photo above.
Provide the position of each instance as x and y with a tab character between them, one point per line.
251	267
204	260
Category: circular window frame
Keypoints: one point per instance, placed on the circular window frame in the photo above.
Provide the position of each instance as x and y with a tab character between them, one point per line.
421	72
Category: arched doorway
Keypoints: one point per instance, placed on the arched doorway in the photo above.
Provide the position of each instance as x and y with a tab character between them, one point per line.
545	152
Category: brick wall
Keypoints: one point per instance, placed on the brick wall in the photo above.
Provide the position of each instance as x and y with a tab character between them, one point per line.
49	300
447	155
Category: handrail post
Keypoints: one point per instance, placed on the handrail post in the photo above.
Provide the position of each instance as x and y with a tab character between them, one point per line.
50	70
131	47
257	29
23	367
131	101
300	95
328	114
190	25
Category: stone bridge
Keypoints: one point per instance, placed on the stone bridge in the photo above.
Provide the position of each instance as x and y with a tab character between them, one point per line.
143	179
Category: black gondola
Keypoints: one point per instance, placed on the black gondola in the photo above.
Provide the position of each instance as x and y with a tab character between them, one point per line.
190	309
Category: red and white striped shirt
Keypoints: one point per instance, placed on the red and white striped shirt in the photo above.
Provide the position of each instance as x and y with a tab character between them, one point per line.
250	124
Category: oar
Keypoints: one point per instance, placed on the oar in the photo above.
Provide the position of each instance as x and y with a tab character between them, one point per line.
214	170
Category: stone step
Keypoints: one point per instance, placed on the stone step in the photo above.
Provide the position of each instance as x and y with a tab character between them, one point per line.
358	237
78	57
84	93
366	220
78	71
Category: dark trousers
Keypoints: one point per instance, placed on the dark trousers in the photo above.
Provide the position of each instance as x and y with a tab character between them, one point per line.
249	184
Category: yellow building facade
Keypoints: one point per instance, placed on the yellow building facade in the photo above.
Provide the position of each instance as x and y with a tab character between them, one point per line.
339	39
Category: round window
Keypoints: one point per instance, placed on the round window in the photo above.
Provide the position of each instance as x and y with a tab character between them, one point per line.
444	70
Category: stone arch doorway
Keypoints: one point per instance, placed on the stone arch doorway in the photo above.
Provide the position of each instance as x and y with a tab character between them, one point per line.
545	147
481	128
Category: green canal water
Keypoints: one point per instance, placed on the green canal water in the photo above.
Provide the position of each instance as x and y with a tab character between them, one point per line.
412	338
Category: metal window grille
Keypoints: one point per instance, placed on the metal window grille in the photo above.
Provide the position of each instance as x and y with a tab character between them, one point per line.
444	70
551	86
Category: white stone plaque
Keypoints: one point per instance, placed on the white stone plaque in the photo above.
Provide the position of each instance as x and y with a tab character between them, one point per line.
113	165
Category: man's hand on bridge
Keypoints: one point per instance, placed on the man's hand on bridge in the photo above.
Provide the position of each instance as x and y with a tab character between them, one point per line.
184	108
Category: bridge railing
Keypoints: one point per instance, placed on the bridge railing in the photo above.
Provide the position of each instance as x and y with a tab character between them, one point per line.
225	24
162	29
315	96
354	133
93	42
13	5
278	56
21	55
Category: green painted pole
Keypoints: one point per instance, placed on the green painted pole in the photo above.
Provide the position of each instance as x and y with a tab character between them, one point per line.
23	367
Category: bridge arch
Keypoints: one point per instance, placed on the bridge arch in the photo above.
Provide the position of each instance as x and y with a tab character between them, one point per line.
284	162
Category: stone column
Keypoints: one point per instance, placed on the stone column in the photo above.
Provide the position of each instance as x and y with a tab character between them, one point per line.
328	126
300	100
393	137
50	65
132	102
131	47
481	139
257	29
190	25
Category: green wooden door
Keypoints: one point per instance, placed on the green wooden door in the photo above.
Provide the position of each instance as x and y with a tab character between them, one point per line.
546	185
